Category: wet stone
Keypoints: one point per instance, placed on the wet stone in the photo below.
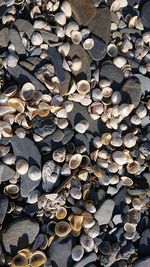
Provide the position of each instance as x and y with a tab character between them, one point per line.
25	26
99	25
57	63
3	207
4	37
145	14
111	72
20	234
90	258
44	126
6	172
104	212
84	11
133	88
17	42
98	51
143	262
144	242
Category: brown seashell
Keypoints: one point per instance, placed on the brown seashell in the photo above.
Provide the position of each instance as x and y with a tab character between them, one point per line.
61	213
76	222
62	229
43	112
17	103
106	138
75	161
19	261
85	161
133	167
6	109
83	87
130	228
25	252
50	228
88	221
37	259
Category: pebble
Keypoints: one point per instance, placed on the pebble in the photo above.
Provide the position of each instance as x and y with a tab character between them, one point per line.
4	37
144	243
90	258
49	37
111	72
44	126
98	51
133	87
145	14
25	26
22	230
3	207
143	262
3	10
6	173
17	42
65	86
145	83
104	212
84	11
57	62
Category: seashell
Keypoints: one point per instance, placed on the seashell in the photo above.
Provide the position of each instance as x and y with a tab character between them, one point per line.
126	181
97	171
37	95
36	39
106	138
3	99
87	242
75	193
50	228
113	167
112	50
104	83
68	106
141	111
60	18
129	228
82	126
5	128
83	175
37	259
106	92
96	94
102	163
76	37
129	236
137	203
62	113
146	37
61	213
65	170
34	173
64	49
97	142
125	109
85	161
11	190
25	252
8	19
129	140
71	26
20	132
132	22
4	150
27	91
75	161
80	149
19	261
136	120
59	154
133	167
50	174
77	253
119	157
66	8
88	220
95	110
94	231
62	123
62	229
12	60
11	90
76	64
39	24
9	159
22	166
33	197
52	6
76	222
115	6
17	104
105	248
116	141
88	44
119	61
116	98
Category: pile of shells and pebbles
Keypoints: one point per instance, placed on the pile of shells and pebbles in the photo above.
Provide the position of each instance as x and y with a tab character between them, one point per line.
74	133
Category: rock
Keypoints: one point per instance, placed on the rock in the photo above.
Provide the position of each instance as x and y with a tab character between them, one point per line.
49	37
3	10
100	26
145	121
58	135
57	62
144	243
84	11
145	83
145	14
68	135
3	207
25	26
101	194
6	172
117	219
17	42
27	185
119	199
104	212
147	177
22	76
133	88
64	247
145	149
20	234
85	71
98	51
111	72
143	262
4	37
44	126
90	258
65	86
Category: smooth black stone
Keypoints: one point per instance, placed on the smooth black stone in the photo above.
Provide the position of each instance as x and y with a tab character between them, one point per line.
3	207
90	258
22	76
133	89
25	26
6	172
44	126
31	209
49	37
15	39
20	234
145	11
144	243
57	62
111	72
3	10
143	262
4	37
98	51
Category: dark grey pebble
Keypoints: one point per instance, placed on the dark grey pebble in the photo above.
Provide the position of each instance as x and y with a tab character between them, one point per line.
58	135
98	51
57	63
143	262
91	257
15	39
4	37
145	15
145	121
65	86
25	26
111	72
27	185
44	126
133	88
3	207
31	63
144	243
3	10
119	199
6	172
20	234
22	76
49	37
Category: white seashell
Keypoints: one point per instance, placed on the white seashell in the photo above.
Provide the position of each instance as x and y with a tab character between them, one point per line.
76	193
82	126
125	109
4	150
97	142
33	197
106	92
75	161
123	127
129	228
66	8
119	61
116	141
62	123
11	48
22	166
59	154
12	60
126	181
8	19
136	120
60	18
94	231
36	39
68	106
6	110
115	6
34	11
20	132
132	22
113	167
88	44
87	242
65	170
76	64
116	98
62	113
9	159
52	6
64	49
96	94
146	37
86	101
60	32
104	83
3	99
112	50
119	157
129	140
76	37
83	87
141	111
34	173
77	253
39	24
71	26
27	91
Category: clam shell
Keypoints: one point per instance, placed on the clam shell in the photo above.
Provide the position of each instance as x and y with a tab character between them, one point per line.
95	110
59	154
27	91
11	190
34	173
76	37
137	203
129	140
39	24
71	26
77	253
87	242
25	252
17	104
9	159
76	222
75	161
66	8
129	228
116	98
112	50
133	21
88	44
12	60
106	138
60	18
4	150
82	126
119	61
88	221
19	261
119	157
133	167
97	171
36	39
61	213
37	259
64	49
6	110
125	109
22	166
126	181
62	229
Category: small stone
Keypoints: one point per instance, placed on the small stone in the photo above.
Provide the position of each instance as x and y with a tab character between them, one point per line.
111	72
143	262
117	219
145	14
98	51
20	234
144	243
90	258
57	62
3	207
145	83
25	26
104	212
58	135
6	173
4	37
133	87
49	37
44	126
17	42
84	11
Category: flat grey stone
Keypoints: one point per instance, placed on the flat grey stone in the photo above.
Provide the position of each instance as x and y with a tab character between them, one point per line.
104	212
111	72
4	37
144	262
15	39
57	63
31	63
98	51
145	14
3	207
20	234
22	76
6	172
25	26
144	243
91	257
49	37
145	83
133	88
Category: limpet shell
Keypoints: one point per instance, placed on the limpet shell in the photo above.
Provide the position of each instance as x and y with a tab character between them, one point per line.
61	213
22	166
106	92
77	253
75	161
37	259
17	104
27	91
71	26
87	242
62	229
19	261
133	167
76	222
11	190
112	50
76	37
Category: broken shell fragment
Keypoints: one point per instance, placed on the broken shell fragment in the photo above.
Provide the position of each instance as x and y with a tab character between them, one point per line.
62	229
75	161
